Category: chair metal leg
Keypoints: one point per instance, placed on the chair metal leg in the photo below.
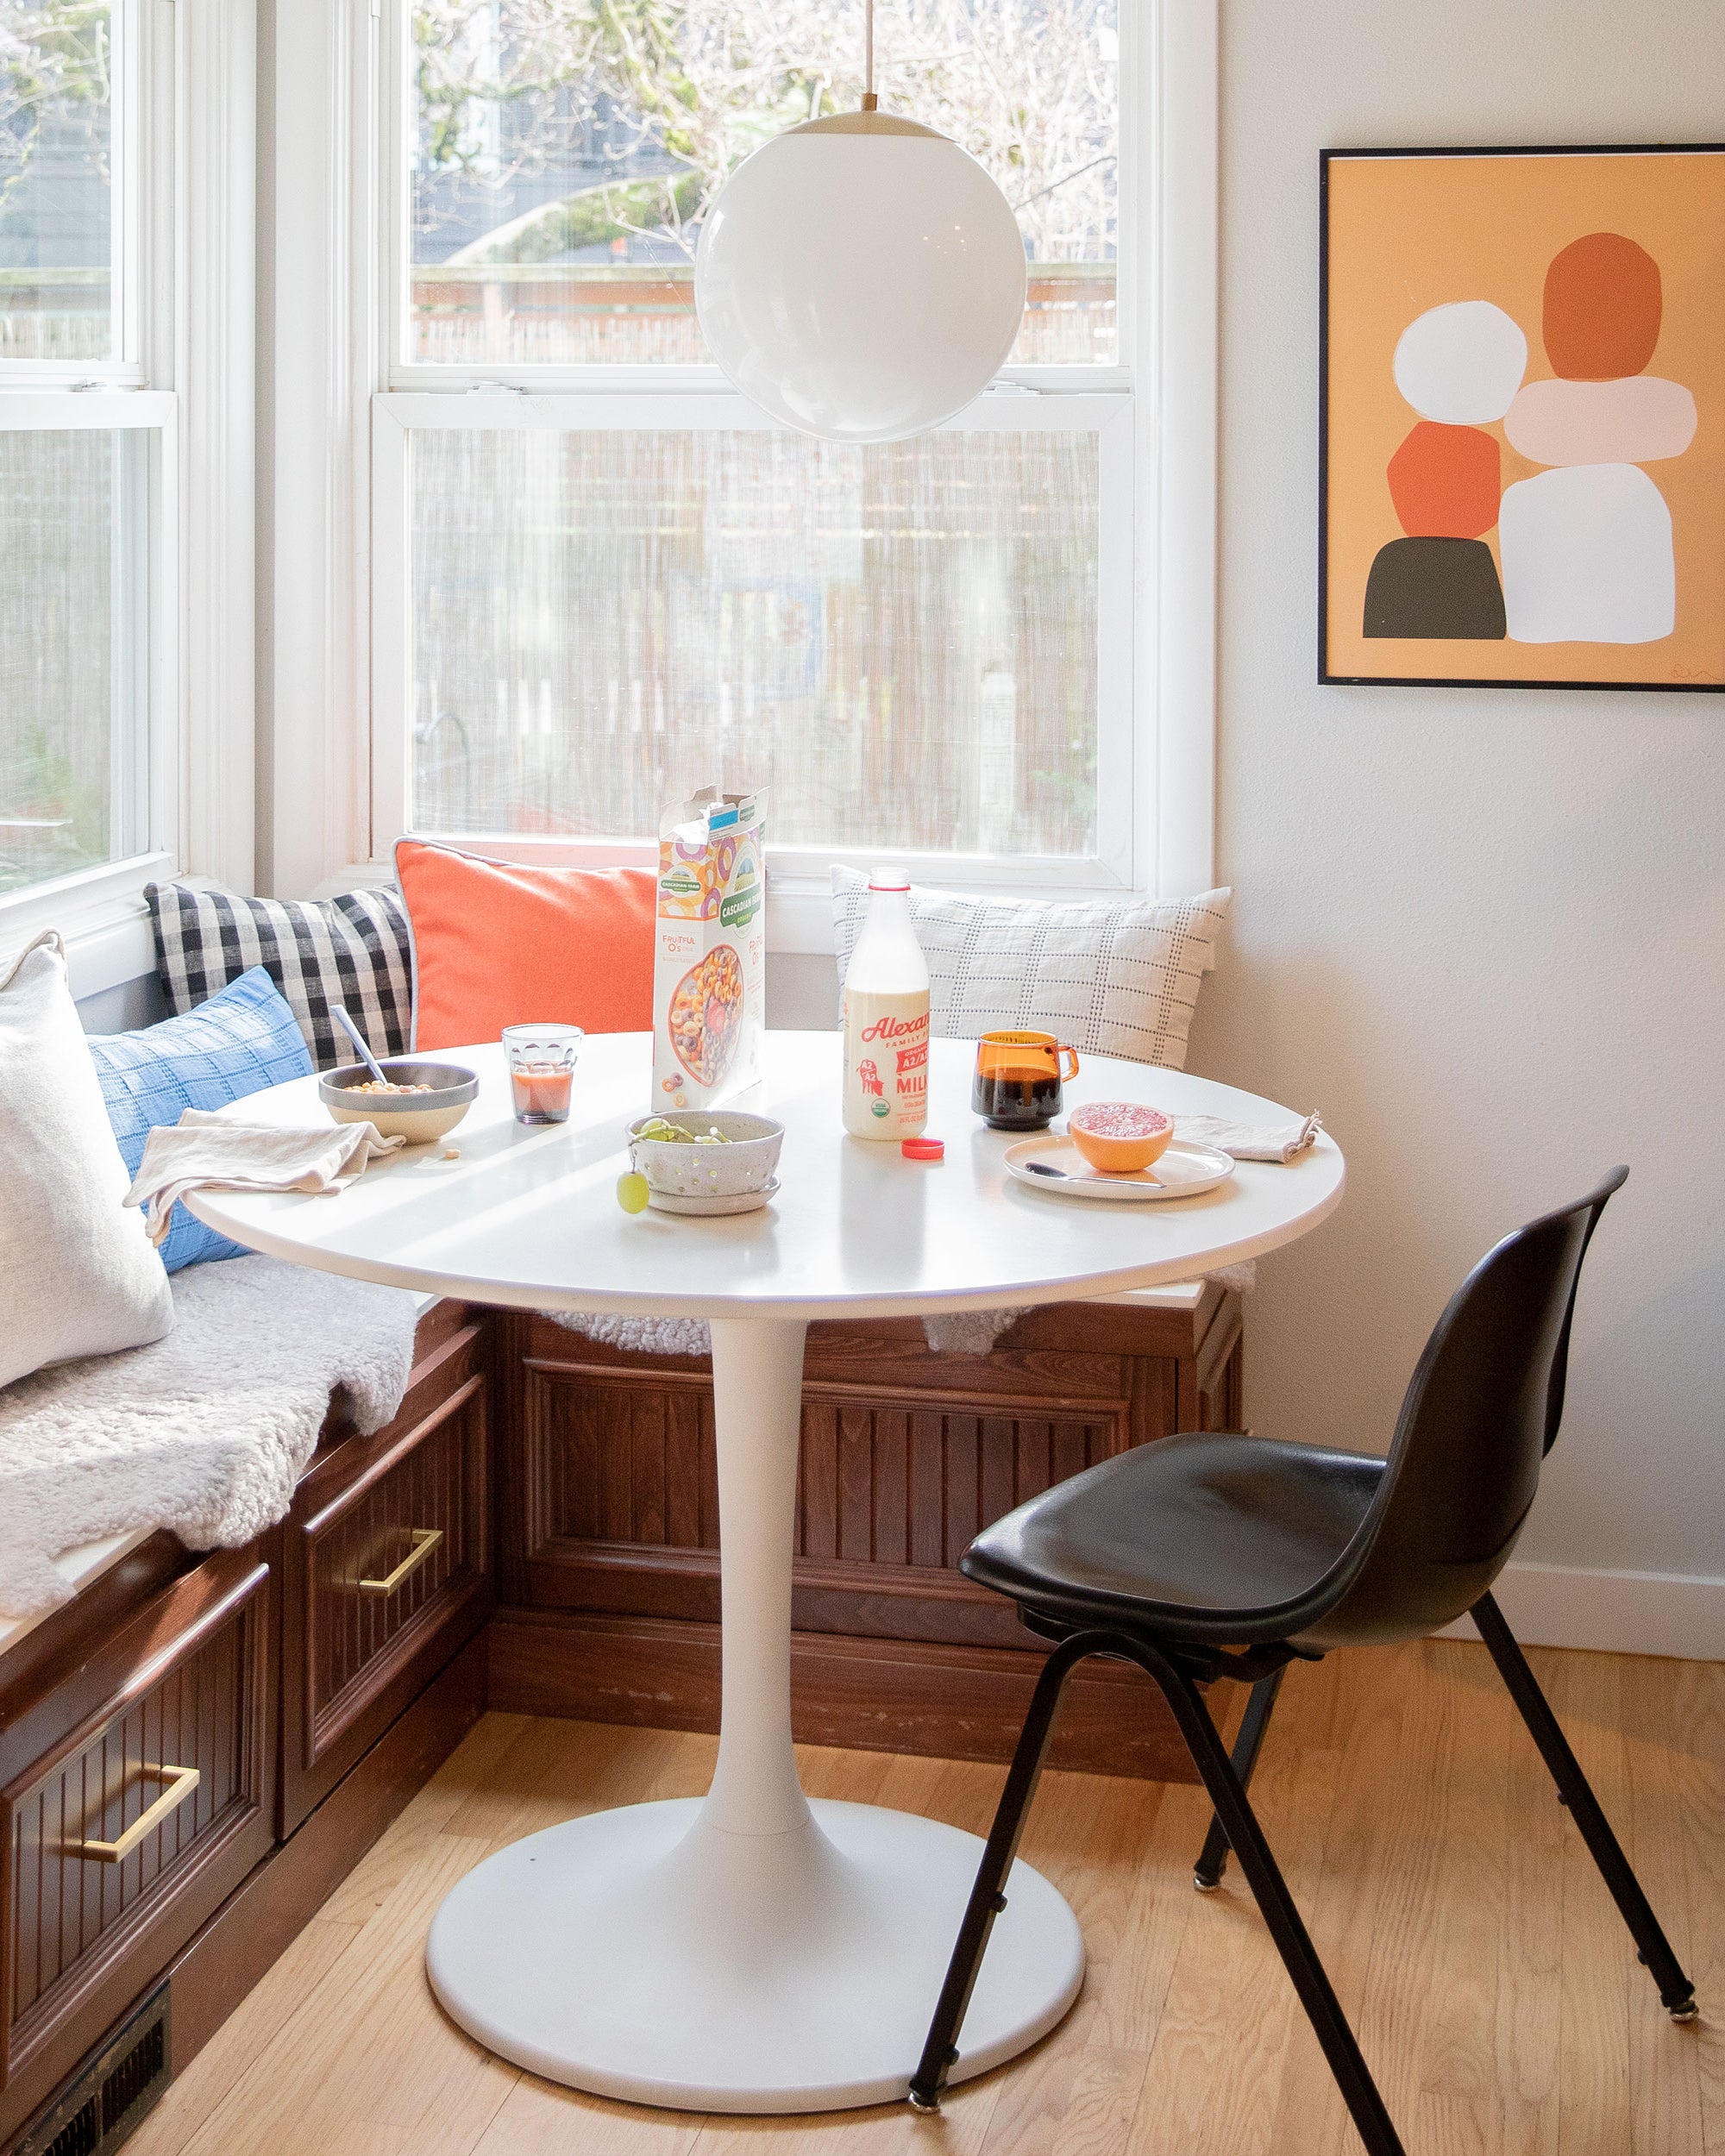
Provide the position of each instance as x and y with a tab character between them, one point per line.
988	1896
1677	1992
1206	1873
1300	1957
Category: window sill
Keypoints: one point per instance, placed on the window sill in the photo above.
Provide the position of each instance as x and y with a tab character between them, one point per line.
101	916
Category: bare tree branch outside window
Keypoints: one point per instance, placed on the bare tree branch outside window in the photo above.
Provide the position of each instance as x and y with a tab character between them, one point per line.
577	136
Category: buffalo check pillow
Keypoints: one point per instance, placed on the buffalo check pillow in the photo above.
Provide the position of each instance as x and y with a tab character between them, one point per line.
1114	979
353	951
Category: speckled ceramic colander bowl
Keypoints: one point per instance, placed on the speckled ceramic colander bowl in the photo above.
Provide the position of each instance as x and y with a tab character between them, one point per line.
747	1162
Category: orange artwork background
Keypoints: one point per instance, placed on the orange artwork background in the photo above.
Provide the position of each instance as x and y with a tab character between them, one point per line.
1407	233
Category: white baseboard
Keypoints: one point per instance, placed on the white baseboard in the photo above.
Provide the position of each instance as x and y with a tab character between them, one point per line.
1613	1613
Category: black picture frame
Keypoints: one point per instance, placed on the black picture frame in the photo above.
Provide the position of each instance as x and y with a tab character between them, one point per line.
1326	157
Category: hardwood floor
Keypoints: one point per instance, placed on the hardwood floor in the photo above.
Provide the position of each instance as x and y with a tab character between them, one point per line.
1493	1987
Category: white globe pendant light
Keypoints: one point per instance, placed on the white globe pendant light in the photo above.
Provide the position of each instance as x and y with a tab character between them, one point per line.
861	278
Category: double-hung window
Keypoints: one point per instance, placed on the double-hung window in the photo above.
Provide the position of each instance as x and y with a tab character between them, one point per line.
87	453
599	578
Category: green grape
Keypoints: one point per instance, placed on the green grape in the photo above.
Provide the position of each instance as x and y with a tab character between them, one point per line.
632	1192
657	1128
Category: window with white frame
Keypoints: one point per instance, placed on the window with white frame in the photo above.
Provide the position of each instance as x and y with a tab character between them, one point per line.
87	459
600	578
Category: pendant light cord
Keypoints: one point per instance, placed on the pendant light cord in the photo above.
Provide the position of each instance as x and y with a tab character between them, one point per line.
870	102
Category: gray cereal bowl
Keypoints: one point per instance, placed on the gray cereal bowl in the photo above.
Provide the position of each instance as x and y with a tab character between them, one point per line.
418	1117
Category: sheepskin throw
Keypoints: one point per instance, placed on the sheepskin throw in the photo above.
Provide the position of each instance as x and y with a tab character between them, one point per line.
960	1332
205	1432
973	1334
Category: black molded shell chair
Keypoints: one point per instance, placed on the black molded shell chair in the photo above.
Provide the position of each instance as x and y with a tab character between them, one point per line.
1209	1556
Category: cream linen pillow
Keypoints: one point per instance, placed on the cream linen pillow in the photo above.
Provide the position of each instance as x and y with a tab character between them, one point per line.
77	1276
1116	979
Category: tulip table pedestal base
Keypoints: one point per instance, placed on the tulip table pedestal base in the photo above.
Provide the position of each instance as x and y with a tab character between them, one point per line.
648	1954
747	1950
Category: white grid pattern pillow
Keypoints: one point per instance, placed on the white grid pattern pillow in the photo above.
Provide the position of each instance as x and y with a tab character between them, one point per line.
1117	979
353	950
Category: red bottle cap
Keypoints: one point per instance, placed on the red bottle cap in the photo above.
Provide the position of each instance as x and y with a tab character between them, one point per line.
924	1147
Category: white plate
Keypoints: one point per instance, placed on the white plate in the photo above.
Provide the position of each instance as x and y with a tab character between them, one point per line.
712	1203
1183	1172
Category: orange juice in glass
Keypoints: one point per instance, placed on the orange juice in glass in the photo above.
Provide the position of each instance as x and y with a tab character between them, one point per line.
542	1061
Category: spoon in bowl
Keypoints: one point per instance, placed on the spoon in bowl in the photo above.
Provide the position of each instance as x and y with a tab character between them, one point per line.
339	1012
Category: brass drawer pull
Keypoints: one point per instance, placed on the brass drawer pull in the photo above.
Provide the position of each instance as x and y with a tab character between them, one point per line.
425	1541
180	1782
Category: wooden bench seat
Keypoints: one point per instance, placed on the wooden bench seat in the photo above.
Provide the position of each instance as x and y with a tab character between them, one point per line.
536	1529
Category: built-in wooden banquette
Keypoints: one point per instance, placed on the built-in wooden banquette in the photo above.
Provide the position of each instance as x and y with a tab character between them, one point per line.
195	1750
260	1714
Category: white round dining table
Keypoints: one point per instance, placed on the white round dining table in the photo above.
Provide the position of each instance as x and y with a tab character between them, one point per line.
750	1951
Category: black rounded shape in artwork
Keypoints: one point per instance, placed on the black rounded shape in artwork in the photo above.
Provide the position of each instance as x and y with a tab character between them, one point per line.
1435	587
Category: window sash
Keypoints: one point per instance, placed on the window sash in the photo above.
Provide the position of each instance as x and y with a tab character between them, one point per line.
1110	418
1084	398
142	91
394	295
185	148
334	332
100	908
145	541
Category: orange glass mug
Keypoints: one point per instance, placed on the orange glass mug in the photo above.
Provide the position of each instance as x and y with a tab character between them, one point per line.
1018	1083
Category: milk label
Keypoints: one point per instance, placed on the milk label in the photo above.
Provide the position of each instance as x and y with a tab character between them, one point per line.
886	1063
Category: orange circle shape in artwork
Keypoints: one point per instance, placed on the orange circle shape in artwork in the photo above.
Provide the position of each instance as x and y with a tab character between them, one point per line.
1604	302
1444	481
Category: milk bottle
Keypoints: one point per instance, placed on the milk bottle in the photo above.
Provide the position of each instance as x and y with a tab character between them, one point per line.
886	1019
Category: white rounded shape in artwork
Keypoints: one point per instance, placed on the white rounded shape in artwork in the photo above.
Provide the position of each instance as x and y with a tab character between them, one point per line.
1461	364
861	278
1587	557
1636	420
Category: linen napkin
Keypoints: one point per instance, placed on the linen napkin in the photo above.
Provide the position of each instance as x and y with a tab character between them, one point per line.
210	1151
1250	1141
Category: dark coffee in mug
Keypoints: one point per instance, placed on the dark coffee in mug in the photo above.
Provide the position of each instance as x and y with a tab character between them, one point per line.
1017	1097
1017	1082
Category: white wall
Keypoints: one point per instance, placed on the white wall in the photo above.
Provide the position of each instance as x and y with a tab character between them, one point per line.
1484	932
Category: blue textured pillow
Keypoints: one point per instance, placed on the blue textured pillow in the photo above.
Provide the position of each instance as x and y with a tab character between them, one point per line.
244	1039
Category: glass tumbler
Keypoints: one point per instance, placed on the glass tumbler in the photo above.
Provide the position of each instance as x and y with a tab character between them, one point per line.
542	1070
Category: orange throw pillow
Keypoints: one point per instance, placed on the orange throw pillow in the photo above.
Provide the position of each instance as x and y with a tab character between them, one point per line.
496	945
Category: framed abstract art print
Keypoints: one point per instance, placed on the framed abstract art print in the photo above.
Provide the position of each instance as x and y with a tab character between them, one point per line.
1522	417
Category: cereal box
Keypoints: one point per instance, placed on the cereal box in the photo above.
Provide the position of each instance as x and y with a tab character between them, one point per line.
710	958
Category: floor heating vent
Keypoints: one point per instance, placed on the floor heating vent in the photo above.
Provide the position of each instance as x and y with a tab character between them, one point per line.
79	2135
110	2092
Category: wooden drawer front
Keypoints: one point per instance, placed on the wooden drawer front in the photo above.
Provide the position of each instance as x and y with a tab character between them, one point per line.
387	1559
908	1481
622	1497
187	1752
887	1479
